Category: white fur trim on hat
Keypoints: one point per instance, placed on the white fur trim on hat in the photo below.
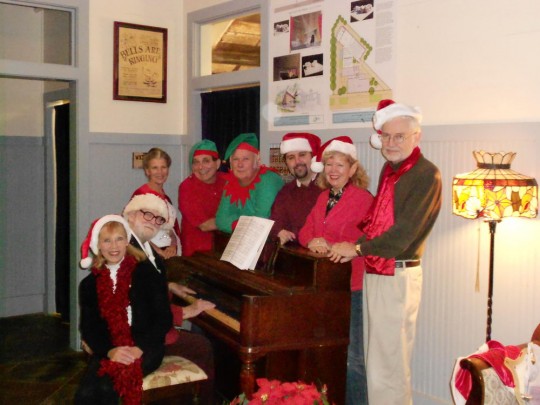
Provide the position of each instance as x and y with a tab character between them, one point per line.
392	111
316	166
375	141
92	239
147	202
343	147
171	217
294	145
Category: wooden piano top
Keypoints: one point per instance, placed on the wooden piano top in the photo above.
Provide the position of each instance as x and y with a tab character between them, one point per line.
293	298
280	270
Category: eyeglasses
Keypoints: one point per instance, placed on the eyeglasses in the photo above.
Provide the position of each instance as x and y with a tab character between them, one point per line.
149	217
398	138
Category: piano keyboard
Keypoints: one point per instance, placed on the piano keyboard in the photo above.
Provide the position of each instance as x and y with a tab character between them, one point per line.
217	314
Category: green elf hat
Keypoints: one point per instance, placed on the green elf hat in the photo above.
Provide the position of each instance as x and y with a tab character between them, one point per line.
204	147
243	141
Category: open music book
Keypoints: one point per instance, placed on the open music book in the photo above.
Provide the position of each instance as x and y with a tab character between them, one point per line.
247	241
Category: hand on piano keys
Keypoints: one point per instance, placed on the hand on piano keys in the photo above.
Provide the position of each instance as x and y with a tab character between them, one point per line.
196	307
214	313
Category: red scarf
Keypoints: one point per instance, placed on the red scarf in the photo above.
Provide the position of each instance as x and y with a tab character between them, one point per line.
381	214
495	357
238	193
113	303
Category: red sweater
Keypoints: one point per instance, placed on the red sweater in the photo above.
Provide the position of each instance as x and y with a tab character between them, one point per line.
198	202
292	206
341	224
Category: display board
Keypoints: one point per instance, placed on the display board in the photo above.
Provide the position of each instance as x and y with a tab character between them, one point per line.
331	61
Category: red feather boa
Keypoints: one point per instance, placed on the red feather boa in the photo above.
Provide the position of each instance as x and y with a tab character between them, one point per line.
127	380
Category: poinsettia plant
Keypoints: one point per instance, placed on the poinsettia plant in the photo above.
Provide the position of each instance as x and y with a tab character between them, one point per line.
274	392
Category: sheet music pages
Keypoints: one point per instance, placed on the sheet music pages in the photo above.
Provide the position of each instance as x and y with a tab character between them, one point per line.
247	241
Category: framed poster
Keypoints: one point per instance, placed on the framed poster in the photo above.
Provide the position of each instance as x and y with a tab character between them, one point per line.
140	63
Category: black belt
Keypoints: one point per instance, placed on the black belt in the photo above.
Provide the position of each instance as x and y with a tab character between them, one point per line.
401	264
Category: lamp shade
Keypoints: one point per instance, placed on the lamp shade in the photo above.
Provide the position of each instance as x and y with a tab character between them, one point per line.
494	191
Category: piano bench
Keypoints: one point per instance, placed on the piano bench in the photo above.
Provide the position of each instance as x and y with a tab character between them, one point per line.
176	378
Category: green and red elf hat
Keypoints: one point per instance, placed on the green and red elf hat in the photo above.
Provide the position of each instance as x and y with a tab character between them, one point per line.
247	141
204	147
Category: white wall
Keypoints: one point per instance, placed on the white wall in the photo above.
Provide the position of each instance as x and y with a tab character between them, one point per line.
115	116
469	61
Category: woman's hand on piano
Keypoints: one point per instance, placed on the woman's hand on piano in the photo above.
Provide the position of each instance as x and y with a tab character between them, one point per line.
197	307
319	245
180	290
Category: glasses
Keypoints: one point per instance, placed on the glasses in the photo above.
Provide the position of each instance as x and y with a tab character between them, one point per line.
147	215
398	138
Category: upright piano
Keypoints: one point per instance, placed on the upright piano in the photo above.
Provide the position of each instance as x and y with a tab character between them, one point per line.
287	320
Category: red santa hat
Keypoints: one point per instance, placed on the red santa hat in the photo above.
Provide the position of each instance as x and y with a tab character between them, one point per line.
147	201
342	144
300	142
90	243
387	110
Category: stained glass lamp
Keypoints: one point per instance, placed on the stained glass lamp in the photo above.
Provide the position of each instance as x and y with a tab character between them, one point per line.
492	192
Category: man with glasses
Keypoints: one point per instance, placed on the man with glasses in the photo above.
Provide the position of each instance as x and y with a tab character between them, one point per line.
407	204
145	214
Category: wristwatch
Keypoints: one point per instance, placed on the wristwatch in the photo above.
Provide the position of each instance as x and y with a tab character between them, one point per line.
358	249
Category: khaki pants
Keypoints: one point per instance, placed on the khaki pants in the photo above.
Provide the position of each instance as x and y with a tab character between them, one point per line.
392	307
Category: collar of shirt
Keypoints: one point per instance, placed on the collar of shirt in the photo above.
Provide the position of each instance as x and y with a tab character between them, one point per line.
147	249
298	184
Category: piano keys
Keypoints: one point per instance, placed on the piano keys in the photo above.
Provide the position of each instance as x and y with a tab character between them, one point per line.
287	320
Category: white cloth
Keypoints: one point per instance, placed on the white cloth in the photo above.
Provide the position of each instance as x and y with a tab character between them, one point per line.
392	309
113	271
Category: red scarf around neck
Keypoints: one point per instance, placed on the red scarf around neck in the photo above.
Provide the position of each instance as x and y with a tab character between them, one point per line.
113	303
381	215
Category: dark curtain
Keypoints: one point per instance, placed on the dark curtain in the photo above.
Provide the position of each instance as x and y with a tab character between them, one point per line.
62	270
226	114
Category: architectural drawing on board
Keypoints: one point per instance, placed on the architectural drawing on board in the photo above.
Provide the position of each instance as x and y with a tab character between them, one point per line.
353	82
298	100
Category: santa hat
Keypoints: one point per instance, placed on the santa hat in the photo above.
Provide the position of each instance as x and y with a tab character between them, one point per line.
300	142
171	217
387	110
145	202
342	144
90	243
247	141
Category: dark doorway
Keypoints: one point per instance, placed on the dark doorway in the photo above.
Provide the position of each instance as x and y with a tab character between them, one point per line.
228	113
62	270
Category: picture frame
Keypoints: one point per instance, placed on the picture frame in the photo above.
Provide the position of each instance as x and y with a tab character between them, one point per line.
140	63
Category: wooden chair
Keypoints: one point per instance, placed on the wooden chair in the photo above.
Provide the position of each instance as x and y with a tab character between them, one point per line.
486	385
177	379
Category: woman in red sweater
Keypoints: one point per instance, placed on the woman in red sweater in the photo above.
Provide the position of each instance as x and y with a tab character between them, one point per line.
335	218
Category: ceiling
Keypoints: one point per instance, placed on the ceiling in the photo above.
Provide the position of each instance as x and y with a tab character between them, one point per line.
238	47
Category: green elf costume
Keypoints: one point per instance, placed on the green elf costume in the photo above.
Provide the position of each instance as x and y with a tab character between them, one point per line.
256	198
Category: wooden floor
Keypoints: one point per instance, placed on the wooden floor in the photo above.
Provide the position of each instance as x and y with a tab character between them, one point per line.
36	364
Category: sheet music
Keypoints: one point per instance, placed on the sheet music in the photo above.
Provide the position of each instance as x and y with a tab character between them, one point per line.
247	241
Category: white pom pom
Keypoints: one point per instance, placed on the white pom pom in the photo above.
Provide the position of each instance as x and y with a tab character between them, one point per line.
317	167
86	262
375	141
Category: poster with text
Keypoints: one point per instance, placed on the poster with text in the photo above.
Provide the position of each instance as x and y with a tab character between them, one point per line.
333	61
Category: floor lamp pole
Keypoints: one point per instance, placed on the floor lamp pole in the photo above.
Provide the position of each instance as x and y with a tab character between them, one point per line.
492	228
